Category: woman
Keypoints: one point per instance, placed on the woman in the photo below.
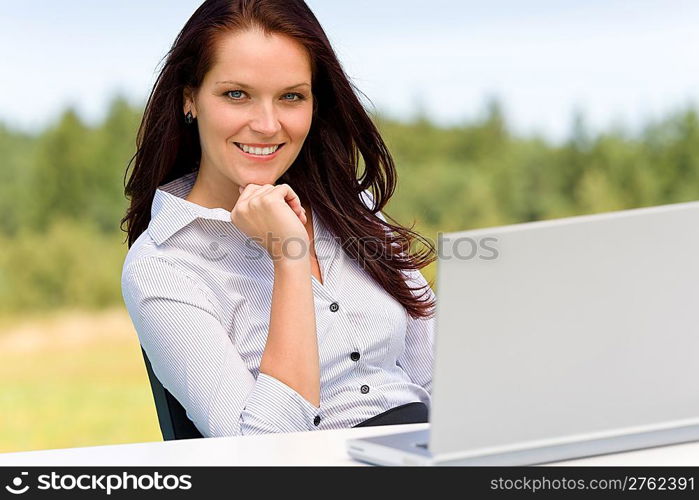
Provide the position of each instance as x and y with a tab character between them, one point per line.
267	288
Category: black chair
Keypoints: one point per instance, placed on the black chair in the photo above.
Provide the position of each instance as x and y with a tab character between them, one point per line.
174	423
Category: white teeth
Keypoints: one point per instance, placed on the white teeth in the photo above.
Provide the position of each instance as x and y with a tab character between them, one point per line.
258	151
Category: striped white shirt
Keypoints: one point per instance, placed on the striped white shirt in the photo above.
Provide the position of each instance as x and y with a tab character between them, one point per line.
199	291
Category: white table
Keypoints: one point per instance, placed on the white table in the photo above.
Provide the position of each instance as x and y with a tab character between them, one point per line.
298	448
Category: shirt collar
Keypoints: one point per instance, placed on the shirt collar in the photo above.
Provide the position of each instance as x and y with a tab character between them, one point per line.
170	211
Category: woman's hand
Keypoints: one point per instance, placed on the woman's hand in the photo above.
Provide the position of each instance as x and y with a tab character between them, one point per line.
274	218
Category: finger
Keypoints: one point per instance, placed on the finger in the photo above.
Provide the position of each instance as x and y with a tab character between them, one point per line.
292	199
260	192
290	196
247	191
250	192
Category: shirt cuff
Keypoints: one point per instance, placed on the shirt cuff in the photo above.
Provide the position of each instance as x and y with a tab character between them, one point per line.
273	406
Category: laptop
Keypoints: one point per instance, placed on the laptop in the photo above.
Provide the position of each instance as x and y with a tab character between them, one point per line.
560	339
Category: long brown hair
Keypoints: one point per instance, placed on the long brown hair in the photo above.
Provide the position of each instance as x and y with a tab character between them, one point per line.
326	171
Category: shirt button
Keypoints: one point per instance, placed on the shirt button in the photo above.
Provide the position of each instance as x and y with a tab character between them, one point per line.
354	356
316	421
365	389
334	307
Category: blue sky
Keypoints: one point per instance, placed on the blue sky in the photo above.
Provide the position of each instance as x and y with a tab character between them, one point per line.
617	62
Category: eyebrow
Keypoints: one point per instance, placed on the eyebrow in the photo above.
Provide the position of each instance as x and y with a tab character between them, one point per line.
245	86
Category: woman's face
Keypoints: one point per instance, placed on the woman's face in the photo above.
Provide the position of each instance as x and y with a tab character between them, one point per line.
257	93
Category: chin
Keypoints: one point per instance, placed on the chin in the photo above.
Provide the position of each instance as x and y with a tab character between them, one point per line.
261	180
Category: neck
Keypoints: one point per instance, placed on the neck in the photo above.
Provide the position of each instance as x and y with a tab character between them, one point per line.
213	193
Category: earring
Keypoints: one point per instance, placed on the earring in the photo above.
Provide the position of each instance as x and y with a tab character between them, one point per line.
188	118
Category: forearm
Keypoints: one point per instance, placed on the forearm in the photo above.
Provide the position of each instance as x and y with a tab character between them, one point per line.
291	352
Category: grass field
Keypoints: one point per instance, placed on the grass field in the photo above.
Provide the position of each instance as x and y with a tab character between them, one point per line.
73	379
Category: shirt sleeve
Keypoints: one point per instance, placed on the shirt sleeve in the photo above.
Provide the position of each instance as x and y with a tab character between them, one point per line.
418	355
195	359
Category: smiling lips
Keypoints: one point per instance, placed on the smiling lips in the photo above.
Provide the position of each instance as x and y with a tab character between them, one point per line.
259	151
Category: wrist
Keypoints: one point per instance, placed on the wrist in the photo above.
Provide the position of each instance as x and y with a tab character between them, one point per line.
290	250
291	263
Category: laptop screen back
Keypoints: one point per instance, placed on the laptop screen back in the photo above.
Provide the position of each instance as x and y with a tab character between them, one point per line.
556	329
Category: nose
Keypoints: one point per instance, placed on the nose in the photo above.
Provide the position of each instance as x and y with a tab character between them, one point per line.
265	120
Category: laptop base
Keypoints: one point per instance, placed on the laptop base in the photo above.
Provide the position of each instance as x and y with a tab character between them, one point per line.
401	449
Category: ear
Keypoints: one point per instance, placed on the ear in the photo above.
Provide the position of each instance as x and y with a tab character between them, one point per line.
188	101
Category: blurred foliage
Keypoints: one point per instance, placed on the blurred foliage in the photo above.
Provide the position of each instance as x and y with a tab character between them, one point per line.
481	175
61	190
62	199
68	264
